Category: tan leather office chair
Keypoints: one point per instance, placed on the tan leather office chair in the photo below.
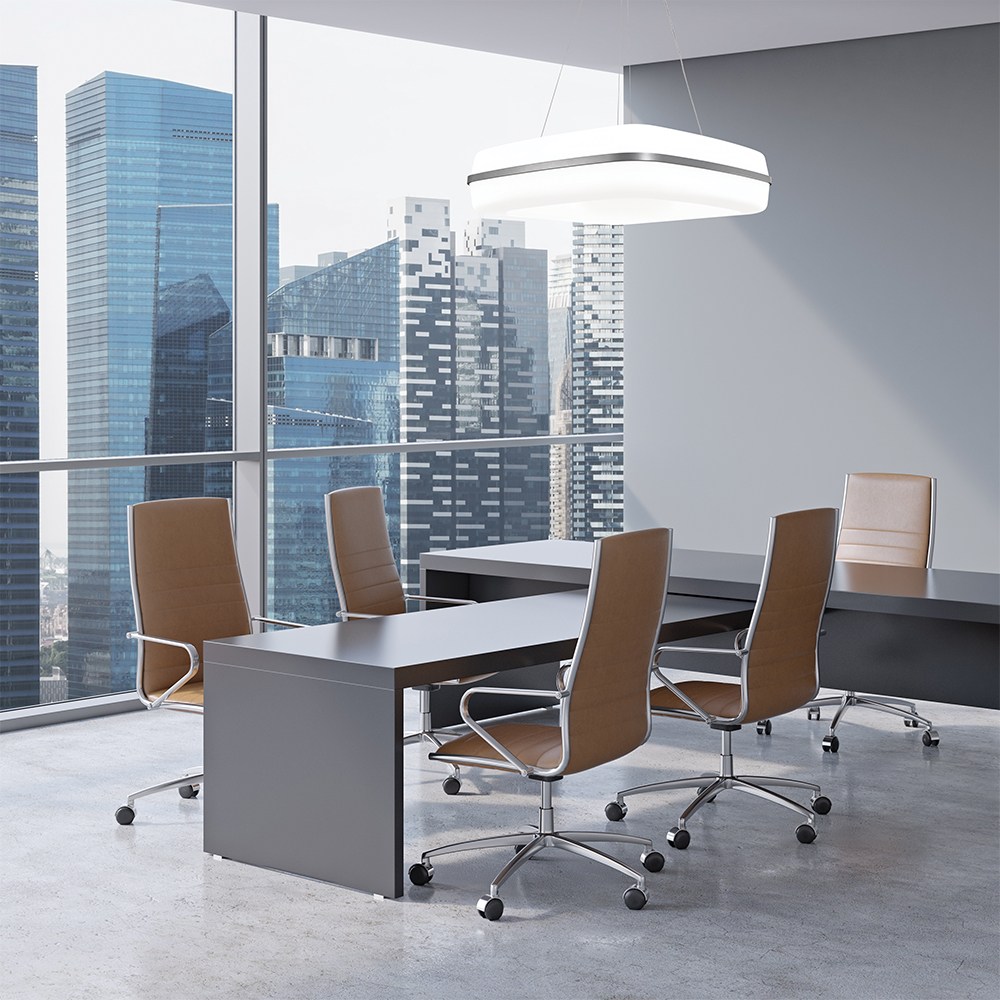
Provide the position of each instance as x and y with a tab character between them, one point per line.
779	669
368	583
603	699
888	520
186	588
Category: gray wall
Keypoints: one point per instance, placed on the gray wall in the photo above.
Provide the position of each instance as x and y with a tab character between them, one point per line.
852	326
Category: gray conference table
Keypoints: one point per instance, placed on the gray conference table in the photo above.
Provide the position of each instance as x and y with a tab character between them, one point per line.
892	630
303	727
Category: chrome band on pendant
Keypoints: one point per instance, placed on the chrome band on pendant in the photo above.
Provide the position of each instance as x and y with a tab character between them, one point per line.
583	161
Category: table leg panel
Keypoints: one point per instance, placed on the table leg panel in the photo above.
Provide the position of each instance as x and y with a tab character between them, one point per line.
327	759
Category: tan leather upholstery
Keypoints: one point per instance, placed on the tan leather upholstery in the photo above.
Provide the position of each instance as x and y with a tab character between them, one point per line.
606	714
361	555
537	745
193	693
719	698
781	669
886	519
360	552
187	583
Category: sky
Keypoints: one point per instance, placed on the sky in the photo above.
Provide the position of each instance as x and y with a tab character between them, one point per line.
354	120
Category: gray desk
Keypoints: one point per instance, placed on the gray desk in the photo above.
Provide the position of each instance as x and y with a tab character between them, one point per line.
893	630
303	727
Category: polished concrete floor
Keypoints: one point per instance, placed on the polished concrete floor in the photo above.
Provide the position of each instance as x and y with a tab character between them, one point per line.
897	897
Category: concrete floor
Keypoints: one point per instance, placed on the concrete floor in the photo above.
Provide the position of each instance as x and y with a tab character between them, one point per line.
897	897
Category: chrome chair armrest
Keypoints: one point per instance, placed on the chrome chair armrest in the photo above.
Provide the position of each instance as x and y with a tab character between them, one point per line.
177	685
671	686
463	707
276	621
439	600
345	615
562	674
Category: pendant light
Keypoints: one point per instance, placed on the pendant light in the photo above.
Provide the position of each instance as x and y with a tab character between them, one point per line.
624	174
621	174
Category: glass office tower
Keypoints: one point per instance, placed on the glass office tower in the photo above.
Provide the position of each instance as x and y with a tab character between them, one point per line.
142	156
332	379
598	335
19	508
474	363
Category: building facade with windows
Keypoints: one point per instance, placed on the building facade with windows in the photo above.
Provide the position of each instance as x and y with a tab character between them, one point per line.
332	379
136	147
598	339
19	497
473	332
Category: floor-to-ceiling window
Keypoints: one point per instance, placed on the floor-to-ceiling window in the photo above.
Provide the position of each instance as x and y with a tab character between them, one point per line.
405	341
116	191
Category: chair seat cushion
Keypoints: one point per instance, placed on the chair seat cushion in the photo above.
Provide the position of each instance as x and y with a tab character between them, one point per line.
718	698
468	680
193	693
538	746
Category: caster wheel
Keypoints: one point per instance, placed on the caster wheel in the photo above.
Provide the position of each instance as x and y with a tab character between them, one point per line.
930	738
652	861
764	727
421	873
635	898
490	907
518	848
451	785
615	811
676	837
188	791
805	833
822	805
813	714
125	815
910	724
831	744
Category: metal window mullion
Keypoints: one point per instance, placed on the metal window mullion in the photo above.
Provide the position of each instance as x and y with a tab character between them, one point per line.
250	301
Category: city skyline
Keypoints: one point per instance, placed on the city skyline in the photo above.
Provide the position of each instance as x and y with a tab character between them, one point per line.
467	354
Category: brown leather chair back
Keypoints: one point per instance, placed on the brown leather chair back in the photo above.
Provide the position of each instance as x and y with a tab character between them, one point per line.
782	671
186	582
887	519
608	711
360	553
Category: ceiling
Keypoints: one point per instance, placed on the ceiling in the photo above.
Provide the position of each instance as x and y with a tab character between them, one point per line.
605	34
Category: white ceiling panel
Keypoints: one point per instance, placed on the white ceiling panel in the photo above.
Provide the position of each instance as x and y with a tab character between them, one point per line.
605	34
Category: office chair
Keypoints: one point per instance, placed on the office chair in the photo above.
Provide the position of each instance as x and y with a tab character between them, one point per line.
368	584
887	520
186	588
779	669
603	699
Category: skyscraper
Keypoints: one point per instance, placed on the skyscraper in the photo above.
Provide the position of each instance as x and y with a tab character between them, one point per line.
138	149
598	332
561	394
474	363
19	508
332	379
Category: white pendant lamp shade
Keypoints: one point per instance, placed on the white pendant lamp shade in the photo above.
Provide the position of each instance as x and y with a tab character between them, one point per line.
623	174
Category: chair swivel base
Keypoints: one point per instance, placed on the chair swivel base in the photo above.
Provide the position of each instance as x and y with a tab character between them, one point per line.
527	845
451	785
188	786
709	786
893	706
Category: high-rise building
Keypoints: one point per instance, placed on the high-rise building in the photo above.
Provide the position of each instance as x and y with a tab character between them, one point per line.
474	363
19	507
142	155
332	379
561	394
598	332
